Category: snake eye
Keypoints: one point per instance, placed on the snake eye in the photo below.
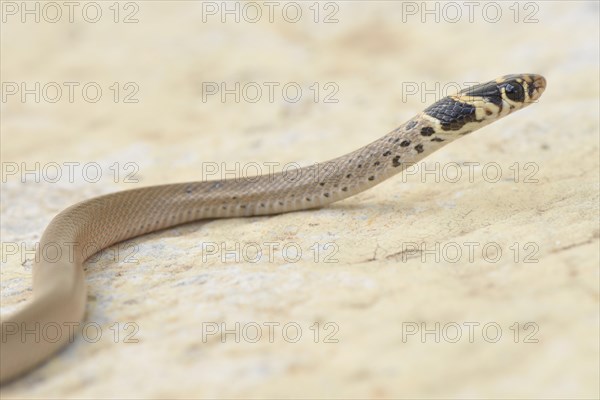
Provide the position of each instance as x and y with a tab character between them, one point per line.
514	92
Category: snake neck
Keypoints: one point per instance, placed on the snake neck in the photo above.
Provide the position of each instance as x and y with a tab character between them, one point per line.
337	179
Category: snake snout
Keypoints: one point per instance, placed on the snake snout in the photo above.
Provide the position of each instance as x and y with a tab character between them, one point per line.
537	87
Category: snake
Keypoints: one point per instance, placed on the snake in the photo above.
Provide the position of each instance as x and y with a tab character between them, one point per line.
59	288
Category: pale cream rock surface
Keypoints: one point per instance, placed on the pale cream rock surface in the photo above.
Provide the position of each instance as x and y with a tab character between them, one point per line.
354	281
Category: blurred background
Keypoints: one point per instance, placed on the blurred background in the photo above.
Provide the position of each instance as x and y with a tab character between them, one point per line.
427	286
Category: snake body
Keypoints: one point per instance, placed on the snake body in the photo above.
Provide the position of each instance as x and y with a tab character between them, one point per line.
59	286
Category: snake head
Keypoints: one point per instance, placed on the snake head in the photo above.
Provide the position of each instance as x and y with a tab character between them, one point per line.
515	91
487	102
498	98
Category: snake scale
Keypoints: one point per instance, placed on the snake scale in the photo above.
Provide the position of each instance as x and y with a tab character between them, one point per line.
59	286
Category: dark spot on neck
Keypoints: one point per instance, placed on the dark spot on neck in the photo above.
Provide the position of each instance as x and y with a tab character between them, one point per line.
427	131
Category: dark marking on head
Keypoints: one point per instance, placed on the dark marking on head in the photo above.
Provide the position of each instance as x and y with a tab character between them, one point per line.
530	89
376	163
405	143
322	183
308	199
396	161
326	194
489	90
427	131
452	114
348	176
419	148
371	177
344	189
387	153
262	204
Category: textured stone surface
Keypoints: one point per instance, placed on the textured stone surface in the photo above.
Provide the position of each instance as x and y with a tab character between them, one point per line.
170	289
